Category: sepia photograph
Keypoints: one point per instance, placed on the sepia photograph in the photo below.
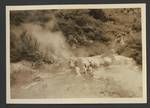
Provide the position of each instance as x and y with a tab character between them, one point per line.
76	53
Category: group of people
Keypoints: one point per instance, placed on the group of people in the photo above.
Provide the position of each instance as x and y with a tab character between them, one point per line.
86	65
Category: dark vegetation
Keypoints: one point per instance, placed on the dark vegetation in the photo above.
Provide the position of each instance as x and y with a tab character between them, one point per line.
26	47
81	28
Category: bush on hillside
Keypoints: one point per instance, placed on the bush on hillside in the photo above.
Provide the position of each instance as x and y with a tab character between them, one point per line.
133	49
24	47
79	26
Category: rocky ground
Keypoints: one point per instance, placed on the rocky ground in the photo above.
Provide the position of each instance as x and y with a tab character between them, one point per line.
120	79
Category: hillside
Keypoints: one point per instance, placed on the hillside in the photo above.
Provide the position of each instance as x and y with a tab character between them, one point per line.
118	29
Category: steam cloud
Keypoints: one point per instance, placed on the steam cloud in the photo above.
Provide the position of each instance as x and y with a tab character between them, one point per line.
51	43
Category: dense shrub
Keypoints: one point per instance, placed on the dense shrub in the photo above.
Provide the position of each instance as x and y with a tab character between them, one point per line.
39	17
24	47
29	47
98	14
132	49
16	18
79	26
14	50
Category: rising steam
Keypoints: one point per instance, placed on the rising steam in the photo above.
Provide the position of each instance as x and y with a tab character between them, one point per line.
50	43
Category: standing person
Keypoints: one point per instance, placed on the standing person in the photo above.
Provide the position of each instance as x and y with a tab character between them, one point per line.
90	69
77	70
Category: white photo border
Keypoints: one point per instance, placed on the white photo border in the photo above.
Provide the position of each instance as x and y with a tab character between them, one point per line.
77	100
